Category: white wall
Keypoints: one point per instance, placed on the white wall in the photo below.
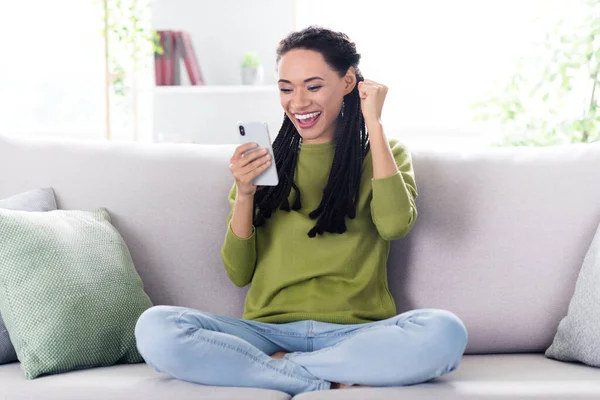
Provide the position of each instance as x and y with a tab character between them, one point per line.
210	115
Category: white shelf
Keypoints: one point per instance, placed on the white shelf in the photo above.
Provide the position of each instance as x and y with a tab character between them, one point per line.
213	89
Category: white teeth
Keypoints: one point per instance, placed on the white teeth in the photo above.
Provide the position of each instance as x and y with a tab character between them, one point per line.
307	116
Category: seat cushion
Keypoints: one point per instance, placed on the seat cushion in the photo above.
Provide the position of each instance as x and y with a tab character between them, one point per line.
491	377
120	382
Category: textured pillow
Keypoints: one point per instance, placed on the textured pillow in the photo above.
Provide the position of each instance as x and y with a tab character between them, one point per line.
578	334
32	200
69	292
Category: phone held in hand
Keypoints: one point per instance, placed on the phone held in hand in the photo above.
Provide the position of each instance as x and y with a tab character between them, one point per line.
258	132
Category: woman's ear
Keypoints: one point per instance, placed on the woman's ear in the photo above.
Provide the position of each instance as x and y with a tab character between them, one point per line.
349	80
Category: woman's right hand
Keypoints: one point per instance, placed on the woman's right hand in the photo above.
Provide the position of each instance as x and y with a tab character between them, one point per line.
245	167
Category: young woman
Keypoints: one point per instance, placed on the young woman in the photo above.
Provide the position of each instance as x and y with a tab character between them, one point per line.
314	249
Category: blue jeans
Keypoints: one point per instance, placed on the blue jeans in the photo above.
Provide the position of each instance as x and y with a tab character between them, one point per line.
195	346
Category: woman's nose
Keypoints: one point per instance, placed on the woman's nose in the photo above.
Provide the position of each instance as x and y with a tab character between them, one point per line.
300	101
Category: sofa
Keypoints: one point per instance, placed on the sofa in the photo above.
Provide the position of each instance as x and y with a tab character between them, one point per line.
499	241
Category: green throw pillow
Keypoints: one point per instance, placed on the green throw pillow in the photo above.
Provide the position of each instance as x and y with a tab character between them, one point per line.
69	293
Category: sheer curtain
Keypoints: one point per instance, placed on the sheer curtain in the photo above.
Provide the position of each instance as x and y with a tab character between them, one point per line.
436	56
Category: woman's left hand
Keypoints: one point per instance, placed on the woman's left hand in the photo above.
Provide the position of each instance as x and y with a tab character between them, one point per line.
372	96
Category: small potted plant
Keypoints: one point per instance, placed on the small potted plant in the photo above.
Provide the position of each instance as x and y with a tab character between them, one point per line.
252	70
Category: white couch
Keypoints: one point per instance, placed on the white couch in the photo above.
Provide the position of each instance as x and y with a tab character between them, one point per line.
500	238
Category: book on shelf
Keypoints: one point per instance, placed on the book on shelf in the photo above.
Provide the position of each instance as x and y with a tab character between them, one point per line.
177	47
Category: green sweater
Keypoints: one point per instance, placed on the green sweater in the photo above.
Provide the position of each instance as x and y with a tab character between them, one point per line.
337	278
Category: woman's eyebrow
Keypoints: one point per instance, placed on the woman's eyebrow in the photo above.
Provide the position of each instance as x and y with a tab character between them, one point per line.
314	78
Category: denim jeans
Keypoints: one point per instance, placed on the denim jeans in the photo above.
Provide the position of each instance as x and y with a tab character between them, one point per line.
199	347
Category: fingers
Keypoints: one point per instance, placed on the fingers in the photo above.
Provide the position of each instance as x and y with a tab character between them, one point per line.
242	159
246	164
369	85
246	175
260	168
256	163
241	149
248	159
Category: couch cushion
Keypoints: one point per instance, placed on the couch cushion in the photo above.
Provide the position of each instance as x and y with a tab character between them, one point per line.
490	377
120	382
499	240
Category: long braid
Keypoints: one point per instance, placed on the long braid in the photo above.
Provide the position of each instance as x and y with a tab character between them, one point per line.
341	192
351	144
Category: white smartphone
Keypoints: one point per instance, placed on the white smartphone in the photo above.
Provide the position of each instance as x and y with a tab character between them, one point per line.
258	132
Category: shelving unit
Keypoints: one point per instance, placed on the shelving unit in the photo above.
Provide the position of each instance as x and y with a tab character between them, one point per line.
221	32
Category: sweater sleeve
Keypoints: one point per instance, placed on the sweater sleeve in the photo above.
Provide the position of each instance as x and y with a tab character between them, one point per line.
239	255
393	206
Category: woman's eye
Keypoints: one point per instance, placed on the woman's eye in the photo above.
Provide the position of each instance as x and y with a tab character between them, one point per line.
284	90
314	88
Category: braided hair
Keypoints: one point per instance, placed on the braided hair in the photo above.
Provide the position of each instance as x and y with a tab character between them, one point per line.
351	142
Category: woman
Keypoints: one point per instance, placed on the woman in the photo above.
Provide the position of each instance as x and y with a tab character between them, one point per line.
318	314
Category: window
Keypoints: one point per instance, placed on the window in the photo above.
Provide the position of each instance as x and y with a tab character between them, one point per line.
52	68
437	57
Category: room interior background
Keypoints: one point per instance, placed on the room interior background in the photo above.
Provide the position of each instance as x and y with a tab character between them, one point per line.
461	73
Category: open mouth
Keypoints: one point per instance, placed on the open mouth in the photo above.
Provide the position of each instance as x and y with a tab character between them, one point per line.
306	121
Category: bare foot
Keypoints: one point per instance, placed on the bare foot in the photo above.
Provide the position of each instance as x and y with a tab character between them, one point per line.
335	385
279	354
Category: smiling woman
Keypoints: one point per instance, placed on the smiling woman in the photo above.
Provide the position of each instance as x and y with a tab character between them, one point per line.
319	314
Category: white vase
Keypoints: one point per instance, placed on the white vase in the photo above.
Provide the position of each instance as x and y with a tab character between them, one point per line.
252	75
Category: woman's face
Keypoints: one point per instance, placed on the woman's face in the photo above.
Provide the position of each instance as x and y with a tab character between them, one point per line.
311	93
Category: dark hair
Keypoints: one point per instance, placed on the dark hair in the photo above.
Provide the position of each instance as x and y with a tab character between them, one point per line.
351	142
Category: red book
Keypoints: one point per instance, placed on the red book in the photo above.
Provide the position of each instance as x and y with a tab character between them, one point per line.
176	60
168	68
187	53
